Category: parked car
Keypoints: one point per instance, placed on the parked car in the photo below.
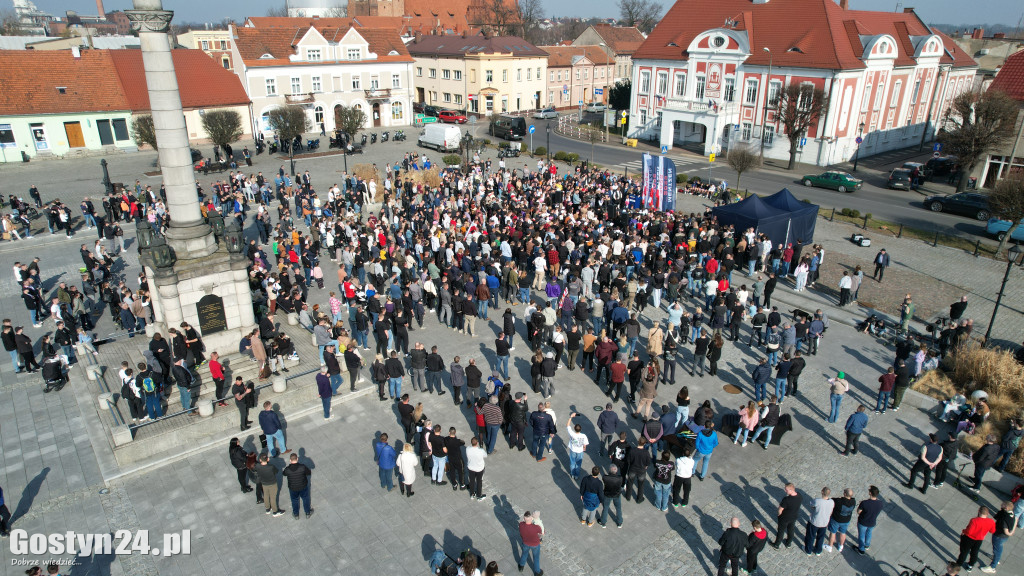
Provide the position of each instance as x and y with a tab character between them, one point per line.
441	137
451	117
998	228
840	181
941	166
508	127
966	203
899	178
596	107
546	113
417	107
909	166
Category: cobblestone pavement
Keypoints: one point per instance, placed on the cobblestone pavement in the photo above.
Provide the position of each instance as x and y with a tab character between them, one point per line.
52	482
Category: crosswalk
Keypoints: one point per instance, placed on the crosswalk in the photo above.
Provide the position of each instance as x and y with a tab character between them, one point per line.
683	164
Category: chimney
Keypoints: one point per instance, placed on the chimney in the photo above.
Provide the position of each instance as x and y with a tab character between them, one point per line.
999	35
908	10
99	8
844	4
978	34
76	52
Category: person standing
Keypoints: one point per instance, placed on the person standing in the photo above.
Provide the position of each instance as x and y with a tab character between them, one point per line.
886	384
949	451
1006	525
353	363
396	371
684	475
324	390
789	511
612	482
973	536
855	425
839	387
664	472
386	458
1008	444
927	460
298	477
270	423
607	423
733	542
755	544
519	411
239	461
821	512
637	461
266	476
502	351
867	518
839	523
475	463
455	466
591	490
760	375
406	464
578	443
217	373
901	384
244	398
530	534
435	366
881	263
493	419
458	374
770	416
542	425
984	459
439	455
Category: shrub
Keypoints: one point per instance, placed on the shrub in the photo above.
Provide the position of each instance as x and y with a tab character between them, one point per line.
502	145
572	157
451	159
560	156
681	178
540	151
855	213
482	142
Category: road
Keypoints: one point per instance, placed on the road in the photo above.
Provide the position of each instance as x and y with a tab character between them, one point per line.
898	206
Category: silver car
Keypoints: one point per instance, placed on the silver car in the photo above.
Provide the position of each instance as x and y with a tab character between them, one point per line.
546	113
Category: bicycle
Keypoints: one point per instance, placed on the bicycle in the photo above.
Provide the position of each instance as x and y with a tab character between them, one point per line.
924	570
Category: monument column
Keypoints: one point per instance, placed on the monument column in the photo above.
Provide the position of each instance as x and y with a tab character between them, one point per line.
188	234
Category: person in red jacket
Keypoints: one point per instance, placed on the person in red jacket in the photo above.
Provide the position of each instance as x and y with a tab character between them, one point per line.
973	535
886	383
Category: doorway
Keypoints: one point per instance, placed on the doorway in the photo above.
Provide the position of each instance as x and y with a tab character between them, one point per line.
421	95
39	137
376	114
74	133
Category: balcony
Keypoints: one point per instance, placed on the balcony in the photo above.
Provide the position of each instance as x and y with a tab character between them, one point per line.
299	98
378	93
688	105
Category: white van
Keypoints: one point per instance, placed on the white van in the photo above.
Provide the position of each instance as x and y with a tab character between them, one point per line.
441	137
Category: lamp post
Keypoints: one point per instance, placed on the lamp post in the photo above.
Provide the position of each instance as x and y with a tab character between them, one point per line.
856	155
604	90
767	94
106	177
547	128
1011	258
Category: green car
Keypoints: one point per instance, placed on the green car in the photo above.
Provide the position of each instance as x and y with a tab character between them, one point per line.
840	181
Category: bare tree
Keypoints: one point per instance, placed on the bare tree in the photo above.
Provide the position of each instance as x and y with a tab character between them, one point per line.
977	123
279	11
643	14
1007	202
742	159
289	122
349	119
496	17
529	13
10	25
223	126
336	11
798	108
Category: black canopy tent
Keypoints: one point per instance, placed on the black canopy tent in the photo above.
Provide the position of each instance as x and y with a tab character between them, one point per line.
782	217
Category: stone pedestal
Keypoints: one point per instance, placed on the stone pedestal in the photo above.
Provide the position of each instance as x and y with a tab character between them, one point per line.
106	400
205	407
279	384
93	372
179	290
293	319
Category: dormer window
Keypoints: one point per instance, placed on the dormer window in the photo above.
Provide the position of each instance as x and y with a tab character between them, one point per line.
266	56
313	55
353	54
62	90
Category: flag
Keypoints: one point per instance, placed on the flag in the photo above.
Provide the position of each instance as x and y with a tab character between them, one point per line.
659	183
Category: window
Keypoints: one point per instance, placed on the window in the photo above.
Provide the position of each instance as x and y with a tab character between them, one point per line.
374	83
458	99
680	86
746	131
529	75
296	85
504	103
419	71
896	93
313	55
432	73
357	82
579	73
318	114
488	76
750	95
699	92
504	75
551	75
551	96
205	44
353	53
226	63
559	75
519	74
774	89
539	76
864	100
643	116
458	74
120	130
447	97
396	111
223	44
913	95
489	102
396	81
879	94
769	135
730	89
645	82
662	83
433	96
586	73
271	87
316	84
446	74
806	96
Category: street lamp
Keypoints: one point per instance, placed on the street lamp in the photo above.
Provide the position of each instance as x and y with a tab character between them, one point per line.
547	128
767	94
856	155
1011	258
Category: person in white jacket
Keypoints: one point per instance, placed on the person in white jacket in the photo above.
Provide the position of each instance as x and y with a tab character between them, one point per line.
406	464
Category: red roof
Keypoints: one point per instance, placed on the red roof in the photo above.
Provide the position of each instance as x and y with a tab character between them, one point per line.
279	42
202	81
621	39
31	78
1010	78
798	33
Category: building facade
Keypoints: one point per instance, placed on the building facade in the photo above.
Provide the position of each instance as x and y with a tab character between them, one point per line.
618	42
577	75
707	85
215	43
479	74
323	69
1009	159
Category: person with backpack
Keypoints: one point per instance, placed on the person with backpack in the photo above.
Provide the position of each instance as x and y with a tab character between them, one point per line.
772	343
148	382
130	392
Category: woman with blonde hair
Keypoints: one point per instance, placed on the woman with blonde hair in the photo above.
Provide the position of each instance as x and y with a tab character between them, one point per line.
260	354
749	417
406	464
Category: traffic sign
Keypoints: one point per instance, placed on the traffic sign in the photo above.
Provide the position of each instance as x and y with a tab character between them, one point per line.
532	128
935	154
565	87
598	90
622	122
937	147
580	102
565	92
664	149
623	113
803	141
711	157
859	139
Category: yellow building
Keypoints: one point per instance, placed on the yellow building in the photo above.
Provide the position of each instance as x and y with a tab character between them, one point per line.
216	44
479	74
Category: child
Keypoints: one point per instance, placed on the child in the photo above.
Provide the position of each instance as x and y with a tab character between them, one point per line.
539	522
755	543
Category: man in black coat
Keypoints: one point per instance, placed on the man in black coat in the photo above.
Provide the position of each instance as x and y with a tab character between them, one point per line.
612	482
297	476
984	459
638	459
24	346
238	458
733	543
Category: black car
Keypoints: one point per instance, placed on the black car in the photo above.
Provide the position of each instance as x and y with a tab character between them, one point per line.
941	166
967	203
899	178
431	111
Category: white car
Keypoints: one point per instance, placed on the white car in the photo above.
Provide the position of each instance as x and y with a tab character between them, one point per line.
596	107
546	113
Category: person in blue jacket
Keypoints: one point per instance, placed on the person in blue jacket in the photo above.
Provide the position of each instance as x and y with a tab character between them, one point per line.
385	457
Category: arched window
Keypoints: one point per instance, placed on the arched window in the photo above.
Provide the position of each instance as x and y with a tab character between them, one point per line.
396	110
318	114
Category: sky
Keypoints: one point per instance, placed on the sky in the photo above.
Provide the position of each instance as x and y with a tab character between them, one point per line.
956	12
